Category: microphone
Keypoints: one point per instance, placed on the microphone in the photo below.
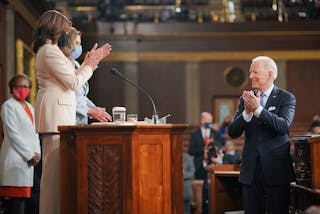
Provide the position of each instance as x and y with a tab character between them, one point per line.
121	76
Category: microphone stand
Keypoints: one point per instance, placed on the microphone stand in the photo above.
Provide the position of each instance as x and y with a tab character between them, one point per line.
155	117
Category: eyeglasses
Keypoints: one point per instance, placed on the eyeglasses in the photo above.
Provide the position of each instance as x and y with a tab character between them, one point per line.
22	86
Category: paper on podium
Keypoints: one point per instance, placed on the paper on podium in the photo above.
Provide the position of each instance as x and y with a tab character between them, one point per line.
133	123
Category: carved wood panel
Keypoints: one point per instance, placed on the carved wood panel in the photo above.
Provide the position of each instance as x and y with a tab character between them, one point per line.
104	179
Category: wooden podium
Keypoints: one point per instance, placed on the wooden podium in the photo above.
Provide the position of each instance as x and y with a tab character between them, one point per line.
121	169
225	190
306	191
307	160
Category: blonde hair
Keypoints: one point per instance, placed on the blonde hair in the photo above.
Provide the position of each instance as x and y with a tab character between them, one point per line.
73	34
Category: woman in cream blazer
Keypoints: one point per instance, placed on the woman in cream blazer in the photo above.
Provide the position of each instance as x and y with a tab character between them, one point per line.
57	82
56	100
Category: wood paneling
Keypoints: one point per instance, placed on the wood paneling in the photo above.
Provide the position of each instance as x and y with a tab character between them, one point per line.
161	52
303	81
3	82
212	56
166	84
106	89
23	30
104	168
213	83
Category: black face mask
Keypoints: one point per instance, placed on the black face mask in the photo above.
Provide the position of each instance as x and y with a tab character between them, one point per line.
63	40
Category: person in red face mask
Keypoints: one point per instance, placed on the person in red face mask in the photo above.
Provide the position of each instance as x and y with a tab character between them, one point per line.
20	149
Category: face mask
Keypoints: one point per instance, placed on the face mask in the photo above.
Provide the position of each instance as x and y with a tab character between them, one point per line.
20	93
63	40
76	53
208	125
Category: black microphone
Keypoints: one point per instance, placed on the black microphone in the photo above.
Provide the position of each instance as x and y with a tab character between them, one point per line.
121	76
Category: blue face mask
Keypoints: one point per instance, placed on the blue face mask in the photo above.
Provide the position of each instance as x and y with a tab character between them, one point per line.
76	53
208	125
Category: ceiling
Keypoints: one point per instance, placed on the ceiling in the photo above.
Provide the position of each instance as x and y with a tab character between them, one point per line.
199	11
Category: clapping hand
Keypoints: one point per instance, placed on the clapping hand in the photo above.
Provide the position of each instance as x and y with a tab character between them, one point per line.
95	55
251	101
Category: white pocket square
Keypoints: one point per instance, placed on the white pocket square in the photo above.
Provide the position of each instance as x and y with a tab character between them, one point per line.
271	108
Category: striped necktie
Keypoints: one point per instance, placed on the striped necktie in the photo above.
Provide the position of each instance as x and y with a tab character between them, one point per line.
262	102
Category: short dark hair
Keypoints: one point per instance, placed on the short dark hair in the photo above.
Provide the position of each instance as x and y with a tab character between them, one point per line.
13	81
315	124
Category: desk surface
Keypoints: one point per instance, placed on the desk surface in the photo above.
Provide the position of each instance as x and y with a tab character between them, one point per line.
303	188
227	173
225	190
227	169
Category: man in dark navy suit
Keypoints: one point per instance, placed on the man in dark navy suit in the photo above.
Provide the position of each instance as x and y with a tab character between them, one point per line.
199	140
201	137
265	115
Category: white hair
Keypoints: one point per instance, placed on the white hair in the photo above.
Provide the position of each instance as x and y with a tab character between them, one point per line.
269	63
205	114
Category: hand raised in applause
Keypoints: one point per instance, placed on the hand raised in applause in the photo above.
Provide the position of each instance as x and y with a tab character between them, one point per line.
99	114
95	55
251	101
247	107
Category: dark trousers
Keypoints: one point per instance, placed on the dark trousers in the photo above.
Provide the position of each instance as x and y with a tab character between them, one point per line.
260	198
13	206
205	197
32	203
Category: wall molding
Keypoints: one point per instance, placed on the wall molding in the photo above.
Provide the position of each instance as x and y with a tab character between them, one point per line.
212	55
24	12
204	34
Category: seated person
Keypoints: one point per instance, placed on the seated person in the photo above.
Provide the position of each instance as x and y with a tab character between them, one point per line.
213	154
224	126
315	118
188	172
315	127
230	154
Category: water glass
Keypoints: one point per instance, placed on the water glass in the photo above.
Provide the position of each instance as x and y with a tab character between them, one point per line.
132	117
119	114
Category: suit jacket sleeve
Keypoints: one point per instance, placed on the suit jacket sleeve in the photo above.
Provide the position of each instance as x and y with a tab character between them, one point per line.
59	67
280	122
83	102
238	124
195	147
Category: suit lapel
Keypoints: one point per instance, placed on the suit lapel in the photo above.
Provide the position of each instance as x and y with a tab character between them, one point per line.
273	97
22	113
